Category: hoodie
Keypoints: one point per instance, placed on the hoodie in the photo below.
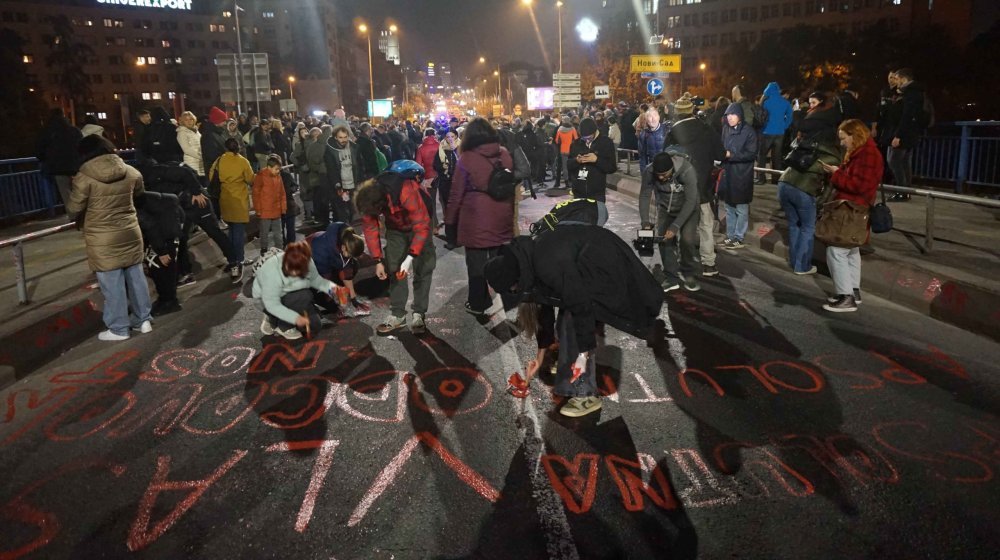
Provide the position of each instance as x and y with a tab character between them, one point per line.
564	137
92	129
160	140
779	111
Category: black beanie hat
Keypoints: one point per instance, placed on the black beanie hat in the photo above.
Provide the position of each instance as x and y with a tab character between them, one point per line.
588	127
663	162
503	272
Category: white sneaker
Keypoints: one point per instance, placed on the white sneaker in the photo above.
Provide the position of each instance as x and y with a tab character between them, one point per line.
145	328
289	334
109	336
417	325
265	326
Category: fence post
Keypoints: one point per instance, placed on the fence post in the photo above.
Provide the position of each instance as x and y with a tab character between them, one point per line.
22	284
964	157
929	224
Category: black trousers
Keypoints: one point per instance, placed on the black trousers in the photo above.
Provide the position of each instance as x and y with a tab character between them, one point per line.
299	301
322	199
165	279
206	220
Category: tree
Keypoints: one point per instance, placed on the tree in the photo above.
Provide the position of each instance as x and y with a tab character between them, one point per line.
21	110
67	58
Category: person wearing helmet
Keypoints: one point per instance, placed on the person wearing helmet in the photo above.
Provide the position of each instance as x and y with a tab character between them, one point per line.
395	196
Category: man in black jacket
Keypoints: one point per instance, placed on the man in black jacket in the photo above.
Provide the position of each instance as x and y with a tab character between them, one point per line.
161	221
182	181
675	182
703	145
344	172
911	127
551	270
366	147
159	142
591	160
56	152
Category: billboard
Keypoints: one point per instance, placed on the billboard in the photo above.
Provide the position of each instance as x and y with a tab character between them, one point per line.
540	98
380	108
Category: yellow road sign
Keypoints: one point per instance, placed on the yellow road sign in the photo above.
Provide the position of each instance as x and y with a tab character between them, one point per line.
655	63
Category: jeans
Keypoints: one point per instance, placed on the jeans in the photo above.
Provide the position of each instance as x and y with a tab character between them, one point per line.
396	248
706	235
586	385
122	287
562	169
238	237
845	269
774	144
901	164
270	234
800	209
737	220
678	254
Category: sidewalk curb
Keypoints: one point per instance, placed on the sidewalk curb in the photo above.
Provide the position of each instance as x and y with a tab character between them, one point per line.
954	301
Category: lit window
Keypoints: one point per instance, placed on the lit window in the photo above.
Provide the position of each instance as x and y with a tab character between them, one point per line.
157	95
178	60
268	15
102	116
171	95
151	60
213	28
146	96
227	14
27	59
116	96
108	22
165	43
222	28
140	61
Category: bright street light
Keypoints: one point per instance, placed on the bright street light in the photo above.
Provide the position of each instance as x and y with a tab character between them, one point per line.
482	60
363	28
587	30
393	28
526	2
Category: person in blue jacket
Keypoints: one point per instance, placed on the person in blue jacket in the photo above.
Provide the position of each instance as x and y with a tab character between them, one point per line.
335	253
772	136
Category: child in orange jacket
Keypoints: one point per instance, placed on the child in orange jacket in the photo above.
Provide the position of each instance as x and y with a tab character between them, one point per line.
269	202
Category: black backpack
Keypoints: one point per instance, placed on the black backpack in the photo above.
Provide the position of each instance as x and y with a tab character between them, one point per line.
502	183
760	116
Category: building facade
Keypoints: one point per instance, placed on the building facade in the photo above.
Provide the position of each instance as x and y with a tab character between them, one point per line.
141	53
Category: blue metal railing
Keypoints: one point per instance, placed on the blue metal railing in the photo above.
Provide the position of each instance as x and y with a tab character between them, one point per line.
963	153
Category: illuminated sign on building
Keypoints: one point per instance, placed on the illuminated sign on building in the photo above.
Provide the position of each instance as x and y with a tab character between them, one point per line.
171	4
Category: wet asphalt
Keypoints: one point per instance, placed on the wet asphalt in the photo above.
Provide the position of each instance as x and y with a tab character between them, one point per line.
754	425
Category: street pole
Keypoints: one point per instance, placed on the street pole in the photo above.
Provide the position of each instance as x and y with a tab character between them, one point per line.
499	98
371	75
239	62
559	9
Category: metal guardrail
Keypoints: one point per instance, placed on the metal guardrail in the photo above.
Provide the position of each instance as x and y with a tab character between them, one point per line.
930	197
969	158
628	158
17	244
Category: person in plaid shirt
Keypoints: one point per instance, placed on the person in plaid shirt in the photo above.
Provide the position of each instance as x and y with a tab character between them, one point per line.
407	230
856	180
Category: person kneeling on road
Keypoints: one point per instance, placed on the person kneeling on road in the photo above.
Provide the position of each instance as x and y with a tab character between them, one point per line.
283	288
335	253
161	220
591	275
407	229
672	177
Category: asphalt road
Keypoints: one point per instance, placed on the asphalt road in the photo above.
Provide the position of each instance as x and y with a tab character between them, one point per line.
759	427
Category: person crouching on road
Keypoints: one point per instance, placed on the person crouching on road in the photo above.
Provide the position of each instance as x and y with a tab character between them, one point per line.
675	182
269	202
335	253
407	230
856	180
103	192
161	220
551	270
283	289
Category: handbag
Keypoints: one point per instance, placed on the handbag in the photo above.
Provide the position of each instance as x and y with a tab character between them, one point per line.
802	156
843	223
881	215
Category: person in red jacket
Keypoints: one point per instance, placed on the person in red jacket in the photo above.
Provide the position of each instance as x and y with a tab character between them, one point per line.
426	152
856	180
407	229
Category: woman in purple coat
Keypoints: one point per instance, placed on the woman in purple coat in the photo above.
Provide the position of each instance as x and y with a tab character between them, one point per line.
483	224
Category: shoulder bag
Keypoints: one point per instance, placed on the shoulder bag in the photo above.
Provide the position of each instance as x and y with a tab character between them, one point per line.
881	215
843	223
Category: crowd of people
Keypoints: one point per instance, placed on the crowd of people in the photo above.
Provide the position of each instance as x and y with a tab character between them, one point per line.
352	186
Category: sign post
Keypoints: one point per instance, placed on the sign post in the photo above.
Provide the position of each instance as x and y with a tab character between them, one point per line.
668	63
567	88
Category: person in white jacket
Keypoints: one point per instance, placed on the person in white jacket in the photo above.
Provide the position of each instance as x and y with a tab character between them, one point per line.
190	140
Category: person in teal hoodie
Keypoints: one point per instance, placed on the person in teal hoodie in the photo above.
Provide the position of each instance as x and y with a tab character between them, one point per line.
772	136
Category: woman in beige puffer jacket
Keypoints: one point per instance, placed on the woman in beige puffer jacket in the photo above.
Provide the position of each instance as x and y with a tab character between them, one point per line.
103	193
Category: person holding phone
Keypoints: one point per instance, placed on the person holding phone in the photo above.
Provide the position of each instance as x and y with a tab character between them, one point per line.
591	160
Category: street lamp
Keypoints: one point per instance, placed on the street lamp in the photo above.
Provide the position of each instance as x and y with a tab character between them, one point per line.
702	67
371	80
291	87
559	6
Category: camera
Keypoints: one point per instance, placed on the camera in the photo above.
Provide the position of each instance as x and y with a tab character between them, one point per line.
644	242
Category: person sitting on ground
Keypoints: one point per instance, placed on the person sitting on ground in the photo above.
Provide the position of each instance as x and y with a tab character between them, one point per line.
335	253
283	289
591	275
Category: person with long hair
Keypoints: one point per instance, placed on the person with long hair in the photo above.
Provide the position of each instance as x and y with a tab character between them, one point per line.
483	224
235	177
856	180
104	191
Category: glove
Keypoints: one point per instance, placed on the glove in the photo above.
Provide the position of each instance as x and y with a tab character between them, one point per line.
578	366
404	269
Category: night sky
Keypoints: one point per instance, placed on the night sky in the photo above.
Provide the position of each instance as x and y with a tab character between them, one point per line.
459	31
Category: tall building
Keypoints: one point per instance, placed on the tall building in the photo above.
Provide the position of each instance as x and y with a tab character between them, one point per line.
165	53
444	71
